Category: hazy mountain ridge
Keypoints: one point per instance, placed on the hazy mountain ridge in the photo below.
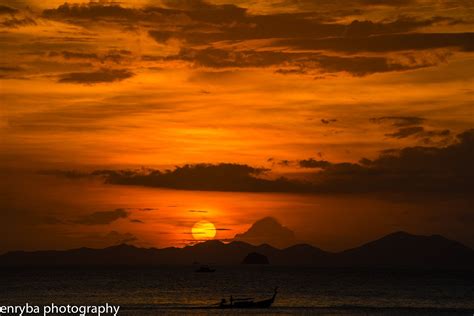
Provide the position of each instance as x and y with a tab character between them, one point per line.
398	249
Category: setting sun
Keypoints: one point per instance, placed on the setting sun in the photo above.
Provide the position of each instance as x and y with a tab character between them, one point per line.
203	230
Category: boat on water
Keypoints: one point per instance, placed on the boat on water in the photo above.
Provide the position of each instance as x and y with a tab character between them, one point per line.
205	268
247	302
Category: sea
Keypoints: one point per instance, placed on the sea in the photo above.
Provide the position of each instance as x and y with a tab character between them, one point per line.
179	290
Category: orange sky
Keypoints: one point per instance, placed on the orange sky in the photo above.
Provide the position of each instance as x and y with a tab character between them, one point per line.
267	84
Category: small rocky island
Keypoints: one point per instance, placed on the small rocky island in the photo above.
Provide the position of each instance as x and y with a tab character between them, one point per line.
255	258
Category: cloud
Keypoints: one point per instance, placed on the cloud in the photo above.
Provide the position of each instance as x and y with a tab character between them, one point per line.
10	68
212	35
398	121
13	18
147	209
417	169
361	29
362	65
17	22
328	121
74	55
100	76
444	132
385	43
411	169
312	163
317	5
289	63
116	56
420	132
406	131
7	10
205	22
197	211
137	221
409	126
268	231
91	11
171	13
102	218
209	177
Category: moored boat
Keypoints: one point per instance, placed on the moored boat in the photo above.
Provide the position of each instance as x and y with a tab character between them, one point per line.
247	302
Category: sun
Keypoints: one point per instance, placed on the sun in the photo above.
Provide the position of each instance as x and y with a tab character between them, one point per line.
203	230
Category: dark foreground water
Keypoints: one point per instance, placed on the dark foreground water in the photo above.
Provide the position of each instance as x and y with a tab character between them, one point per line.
303	291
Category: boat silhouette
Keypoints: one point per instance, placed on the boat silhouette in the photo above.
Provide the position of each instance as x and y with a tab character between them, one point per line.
247	302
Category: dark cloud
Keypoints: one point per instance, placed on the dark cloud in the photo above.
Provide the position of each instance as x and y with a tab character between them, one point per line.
221	58
197	211
406	132
293	62
328	121
395	3
293	26
433	133
398	121
385	43
312	163
116	56
409	126
419	131
147	209
137	221
199	10
361	29
172	13
201	22
284	162
7	10
17	22
447	169
92	11
317	5
102	218
74	55
10	68
99	76
207	25
268	231
208	177
362	66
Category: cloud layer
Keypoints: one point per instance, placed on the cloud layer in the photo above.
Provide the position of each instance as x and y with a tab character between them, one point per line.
411	169
308	39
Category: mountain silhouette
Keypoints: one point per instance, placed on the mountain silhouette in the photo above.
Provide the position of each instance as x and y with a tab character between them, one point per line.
403	249
268	230
398	249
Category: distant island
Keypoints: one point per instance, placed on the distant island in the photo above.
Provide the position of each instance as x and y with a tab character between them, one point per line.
399	249
255	258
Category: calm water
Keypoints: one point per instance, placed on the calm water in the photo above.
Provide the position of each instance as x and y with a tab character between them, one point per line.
304	291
